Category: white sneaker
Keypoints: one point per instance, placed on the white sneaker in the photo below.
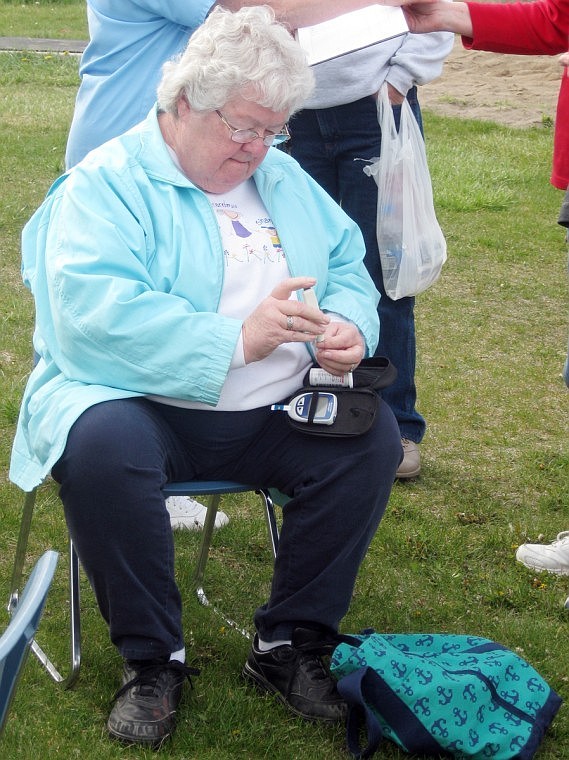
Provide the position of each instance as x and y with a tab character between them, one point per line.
553	557
189	514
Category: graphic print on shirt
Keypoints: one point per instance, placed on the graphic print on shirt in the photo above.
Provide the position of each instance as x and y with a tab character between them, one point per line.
246	228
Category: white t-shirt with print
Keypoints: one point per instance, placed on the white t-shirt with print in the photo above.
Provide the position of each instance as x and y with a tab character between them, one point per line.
254	264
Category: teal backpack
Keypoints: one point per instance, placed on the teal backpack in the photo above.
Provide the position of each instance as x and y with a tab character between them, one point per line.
442	695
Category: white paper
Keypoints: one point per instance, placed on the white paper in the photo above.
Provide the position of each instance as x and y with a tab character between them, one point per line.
351	31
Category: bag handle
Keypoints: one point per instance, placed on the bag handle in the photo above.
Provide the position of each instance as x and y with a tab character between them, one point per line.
351	688
364	687
385	116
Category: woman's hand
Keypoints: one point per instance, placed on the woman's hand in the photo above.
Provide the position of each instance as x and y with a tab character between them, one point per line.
341	349
278	319
395	97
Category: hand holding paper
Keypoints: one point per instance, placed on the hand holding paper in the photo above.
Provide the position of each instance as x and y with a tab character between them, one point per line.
351	31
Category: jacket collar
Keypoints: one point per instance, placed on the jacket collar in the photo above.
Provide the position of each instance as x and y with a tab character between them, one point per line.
153	152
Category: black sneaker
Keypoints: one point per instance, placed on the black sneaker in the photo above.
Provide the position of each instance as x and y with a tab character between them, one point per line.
298	677
145	706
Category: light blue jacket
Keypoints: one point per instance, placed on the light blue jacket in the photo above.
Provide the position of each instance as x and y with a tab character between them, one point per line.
126	264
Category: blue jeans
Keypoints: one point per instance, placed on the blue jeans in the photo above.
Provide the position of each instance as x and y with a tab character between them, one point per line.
119	455
326	142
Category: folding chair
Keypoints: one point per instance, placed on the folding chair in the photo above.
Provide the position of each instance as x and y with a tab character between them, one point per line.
16	640
214	489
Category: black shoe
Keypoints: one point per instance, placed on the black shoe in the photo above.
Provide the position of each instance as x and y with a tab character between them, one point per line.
145	706
297	676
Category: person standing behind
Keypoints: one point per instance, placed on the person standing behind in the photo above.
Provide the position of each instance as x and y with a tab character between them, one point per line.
534	28
337	127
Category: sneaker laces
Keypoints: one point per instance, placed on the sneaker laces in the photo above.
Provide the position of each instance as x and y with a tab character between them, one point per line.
185	506
148	676
562	538
326	644
312	652
314	666
318	648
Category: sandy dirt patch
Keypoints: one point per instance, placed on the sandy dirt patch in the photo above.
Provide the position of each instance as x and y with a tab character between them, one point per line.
515	90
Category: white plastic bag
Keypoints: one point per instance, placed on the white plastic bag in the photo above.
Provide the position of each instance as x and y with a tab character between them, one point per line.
411	244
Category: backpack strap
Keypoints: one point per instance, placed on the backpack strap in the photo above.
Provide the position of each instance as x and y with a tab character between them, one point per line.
351	688
363	689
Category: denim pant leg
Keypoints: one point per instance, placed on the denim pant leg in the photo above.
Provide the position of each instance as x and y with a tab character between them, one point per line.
120	454
328	143
336	501
111	473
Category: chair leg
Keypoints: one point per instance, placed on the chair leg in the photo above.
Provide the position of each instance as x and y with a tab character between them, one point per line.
21	548
75	613
207	534
17	584
74	568
270	516
209	524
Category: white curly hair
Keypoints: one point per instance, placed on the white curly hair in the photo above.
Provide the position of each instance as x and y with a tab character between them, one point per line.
245	53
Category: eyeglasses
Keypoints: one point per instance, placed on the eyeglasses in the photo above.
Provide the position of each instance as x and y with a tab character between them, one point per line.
244	136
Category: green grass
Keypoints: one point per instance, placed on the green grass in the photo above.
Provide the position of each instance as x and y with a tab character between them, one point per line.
58	19
491	341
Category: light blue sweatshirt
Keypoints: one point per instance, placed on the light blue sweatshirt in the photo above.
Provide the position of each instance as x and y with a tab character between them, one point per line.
126	264
129	40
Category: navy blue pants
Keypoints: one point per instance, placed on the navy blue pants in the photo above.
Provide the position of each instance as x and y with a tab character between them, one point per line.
120	454
329	144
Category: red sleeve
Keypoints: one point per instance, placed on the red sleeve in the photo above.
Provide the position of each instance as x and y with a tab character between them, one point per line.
560	172
534	28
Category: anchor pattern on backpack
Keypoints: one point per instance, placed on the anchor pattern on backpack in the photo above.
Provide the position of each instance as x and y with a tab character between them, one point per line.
476	698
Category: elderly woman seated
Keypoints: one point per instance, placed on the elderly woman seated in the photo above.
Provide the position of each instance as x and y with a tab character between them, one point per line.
166	269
